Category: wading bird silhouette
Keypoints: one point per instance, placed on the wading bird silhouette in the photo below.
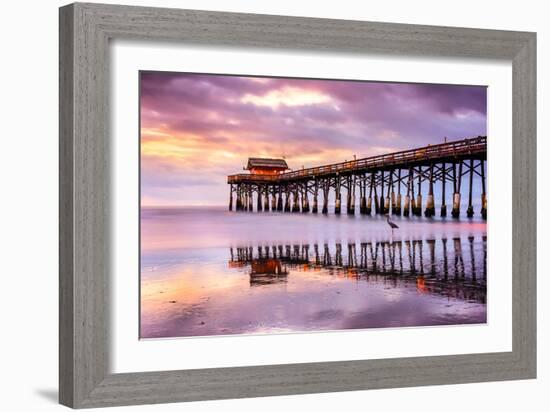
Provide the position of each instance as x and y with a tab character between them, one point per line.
392	225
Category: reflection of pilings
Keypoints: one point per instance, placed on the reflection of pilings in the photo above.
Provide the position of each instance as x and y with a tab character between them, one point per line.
338	256
431	248
420	255
391	253
472	257
400	246
484	257
296	252
412	257
445	259
271	265
459	261
352	258
316	252
383	266
378	258
374	256
363	256
327	259
305	252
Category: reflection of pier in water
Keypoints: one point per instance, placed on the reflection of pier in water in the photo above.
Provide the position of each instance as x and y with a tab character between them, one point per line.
454	267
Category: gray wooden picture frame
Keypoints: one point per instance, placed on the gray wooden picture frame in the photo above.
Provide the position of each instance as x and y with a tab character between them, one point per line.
85	32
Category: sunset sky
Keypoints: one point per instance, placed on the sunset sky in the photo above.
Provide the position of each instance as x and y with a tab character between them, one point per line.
197	129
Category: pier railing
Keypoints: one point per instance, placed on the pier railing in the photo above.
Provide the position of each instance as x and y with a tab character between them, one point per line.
437	152
426	263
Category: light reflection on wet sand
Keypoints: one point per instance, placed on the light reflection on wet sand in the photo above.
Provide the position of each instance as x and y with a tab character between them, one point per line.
427	274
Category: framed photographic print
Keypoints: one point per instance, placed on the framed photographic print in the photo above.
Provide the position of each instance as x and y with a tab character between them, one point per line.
241	195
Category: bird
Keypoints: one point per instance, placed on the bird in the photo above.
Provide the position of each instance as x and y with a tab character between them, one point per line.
392	225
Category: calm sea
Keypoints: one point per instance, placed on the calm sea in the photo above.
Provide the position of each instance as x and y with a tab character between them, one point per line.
207	271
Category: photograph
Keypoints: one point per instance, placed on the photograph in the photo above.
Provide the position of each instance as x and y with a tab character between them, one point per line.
295	205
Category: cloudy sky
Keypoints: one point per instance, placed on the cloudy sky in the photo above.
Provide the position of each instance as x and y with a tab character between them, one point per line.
197	129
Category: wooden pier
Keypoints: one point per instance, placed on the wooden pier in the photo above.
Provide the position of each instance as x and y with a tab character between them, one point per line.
389	183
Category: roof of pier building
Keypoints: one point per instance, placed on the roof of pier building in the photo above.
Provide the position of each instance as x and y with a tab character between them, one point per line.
259	165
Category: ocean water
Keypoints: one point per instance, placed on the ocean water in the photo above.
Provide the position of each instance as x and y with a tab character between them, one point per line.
207	271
